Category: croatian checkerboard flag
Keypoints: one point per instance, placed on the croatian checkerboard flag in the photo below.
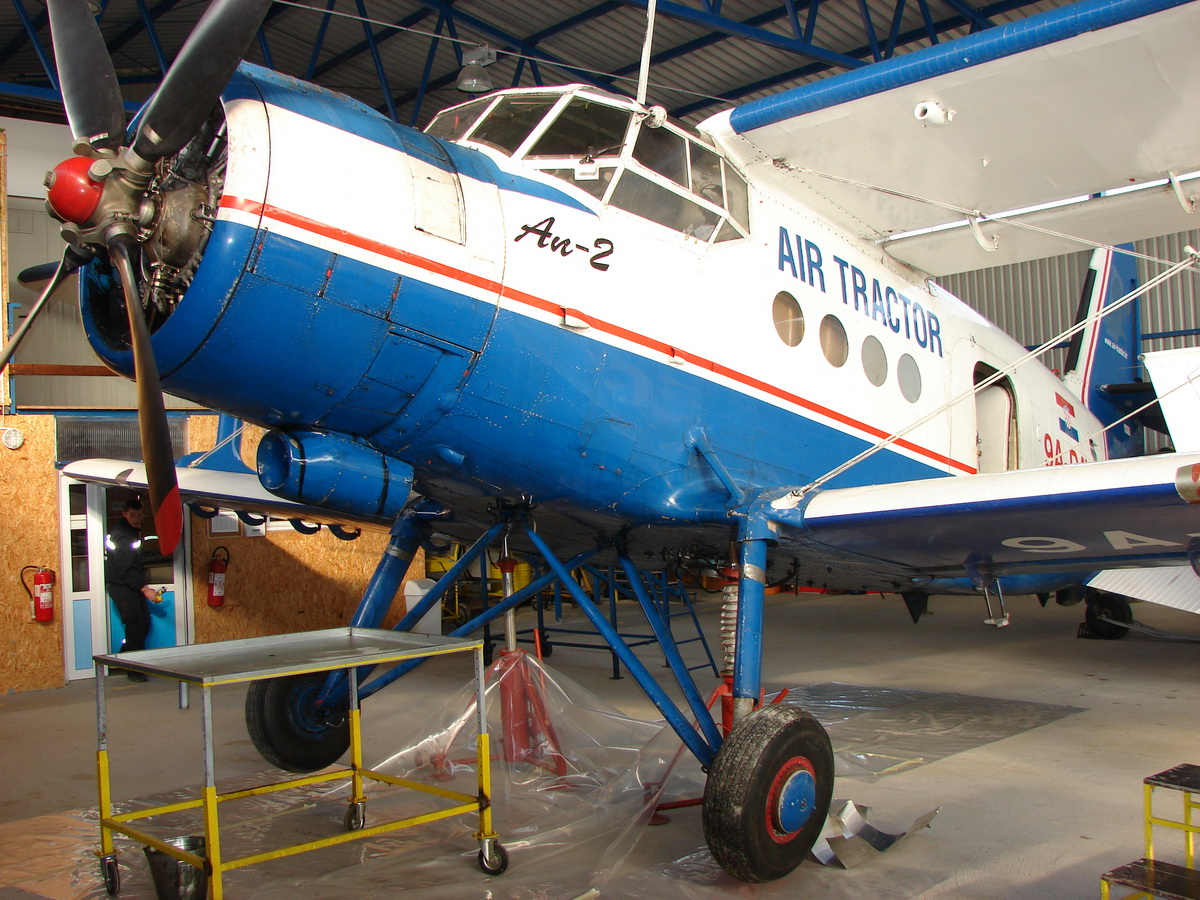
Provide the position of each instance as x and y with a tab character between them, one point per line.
1066	418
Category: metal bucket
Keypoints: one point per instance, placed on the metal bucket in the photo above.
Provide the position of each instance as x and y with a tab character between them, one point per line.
175	879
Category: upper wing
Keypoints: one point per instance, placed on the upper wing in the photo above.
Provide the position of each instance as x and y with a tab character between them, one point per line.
1072	103
239	491
1081	518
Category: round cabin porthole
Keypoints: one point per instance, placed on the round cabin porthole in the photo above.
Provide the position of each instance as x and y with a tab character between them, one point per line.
833	341
909	376
874	360
789	318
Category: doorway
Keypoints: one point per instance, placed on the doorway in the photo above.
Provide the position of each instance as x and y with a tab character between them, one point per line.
995	423
90	621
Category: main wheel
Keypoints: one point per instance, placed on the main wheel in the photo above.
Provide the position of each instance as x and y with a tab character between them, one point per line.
287	727
768	793
1110	606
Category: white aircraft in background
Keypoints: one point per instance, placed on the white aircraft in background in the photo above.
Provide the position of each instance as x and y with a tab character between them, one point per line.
557	308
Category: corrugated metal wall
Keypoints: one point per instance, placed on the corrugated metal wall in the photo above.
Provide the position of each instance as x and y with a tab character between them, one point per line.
1037	300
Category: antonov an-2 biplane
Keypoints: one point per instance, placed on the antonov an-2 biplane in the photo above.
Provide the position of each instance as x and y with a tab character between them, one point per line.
554	307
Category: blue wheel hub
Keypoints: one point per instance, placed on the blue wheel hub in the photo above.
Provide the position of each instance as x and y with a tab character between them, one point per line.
792	799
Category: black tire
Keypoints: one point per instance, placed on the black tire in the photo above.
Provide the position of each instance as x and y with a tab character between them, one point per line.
544	643
111	873
1110	606
768	793
287	728
355	818
499	864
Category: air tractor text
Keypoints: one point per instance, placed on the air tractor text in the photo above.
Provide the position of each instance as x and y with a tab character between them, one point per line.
881	303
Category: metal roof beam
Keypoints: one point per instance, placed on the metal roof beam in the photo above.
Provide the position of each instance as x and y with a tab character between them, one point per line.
757	35
732	96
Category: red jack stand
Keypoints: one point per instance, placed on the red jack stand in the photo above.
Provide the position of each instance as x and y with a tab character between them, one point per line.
528	733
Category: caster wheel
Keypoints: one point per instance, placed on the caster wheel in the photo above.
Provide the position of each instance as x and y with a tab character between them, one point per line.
112	875
356	817
544	643
497	863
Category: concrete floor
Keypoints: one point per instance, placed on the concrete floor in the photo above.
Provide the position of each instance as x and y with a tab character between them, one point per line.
1037	814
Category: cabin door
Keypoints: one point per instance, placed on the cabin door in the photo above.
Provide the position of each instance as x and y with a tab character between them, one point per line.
995	427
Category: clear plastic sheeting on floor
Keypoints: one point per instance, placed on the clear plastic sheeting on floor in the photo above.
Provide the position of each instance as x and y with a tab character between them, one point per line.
879	731
575	783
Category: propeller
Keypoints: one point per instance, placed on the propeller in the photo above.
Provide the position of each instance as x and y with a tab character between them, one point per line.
157	452
87	77
108	193
68	264
198	76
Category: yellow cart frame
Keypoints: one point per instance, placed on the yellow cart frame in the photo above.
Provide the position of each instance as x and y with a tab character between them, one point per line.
232	662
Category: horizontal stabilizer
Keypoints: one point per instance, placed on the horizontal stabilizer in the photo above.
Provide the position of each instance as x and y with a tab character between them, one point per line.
1176	377
1175	586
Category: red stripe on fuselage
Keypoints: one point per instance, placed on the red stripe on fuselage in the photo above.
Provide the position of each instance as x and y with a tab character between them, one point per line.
540	303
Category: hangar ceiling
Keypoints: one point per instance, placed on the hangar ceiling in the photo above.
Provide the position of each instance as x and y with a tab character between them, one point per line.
403	56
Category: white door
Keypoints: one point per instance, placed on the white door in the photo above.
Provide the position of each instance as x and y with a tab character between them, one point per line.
89	621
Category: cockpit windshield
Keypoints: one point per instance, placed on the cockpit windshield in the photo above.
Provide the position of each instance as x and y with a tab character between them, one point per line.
613	150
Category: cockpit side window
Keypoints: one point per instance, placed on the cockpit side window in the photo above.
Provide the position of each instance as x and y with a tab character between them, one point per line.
584	129
653	201
664	152
706	174
511	121
453	124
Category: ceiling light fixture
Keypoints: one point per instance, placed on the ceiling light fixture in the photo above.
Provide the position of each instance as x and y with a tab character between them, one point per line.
473	79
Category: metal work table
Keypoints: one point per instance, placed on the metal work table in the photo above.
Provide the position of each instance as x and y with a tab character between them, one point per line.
232	662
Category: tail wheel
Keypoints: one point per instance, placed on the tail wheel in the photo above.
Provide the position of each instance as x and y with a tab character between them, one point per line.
1110	606
768	793
289	729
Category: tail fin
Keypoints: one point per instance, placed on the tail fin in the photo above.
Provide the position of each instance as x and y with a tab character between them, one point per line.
1102	364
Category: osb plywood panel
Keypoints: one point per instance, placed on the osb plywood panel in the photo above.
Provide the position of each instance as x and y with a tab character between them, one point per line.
31	653
286	581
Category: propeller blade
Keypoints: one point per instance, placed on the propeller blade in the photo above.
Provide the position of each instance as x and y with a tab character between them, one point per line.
86	76
157	452
37	277
68	264
198	76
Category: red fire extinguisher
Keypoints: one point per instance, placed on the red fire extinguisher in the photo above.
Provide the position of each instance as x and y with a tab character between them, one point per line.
216	577
42	595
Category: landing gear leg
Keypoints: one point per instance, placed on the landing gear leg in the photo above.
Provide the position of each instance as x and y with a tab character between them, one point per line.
298	723
770	785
